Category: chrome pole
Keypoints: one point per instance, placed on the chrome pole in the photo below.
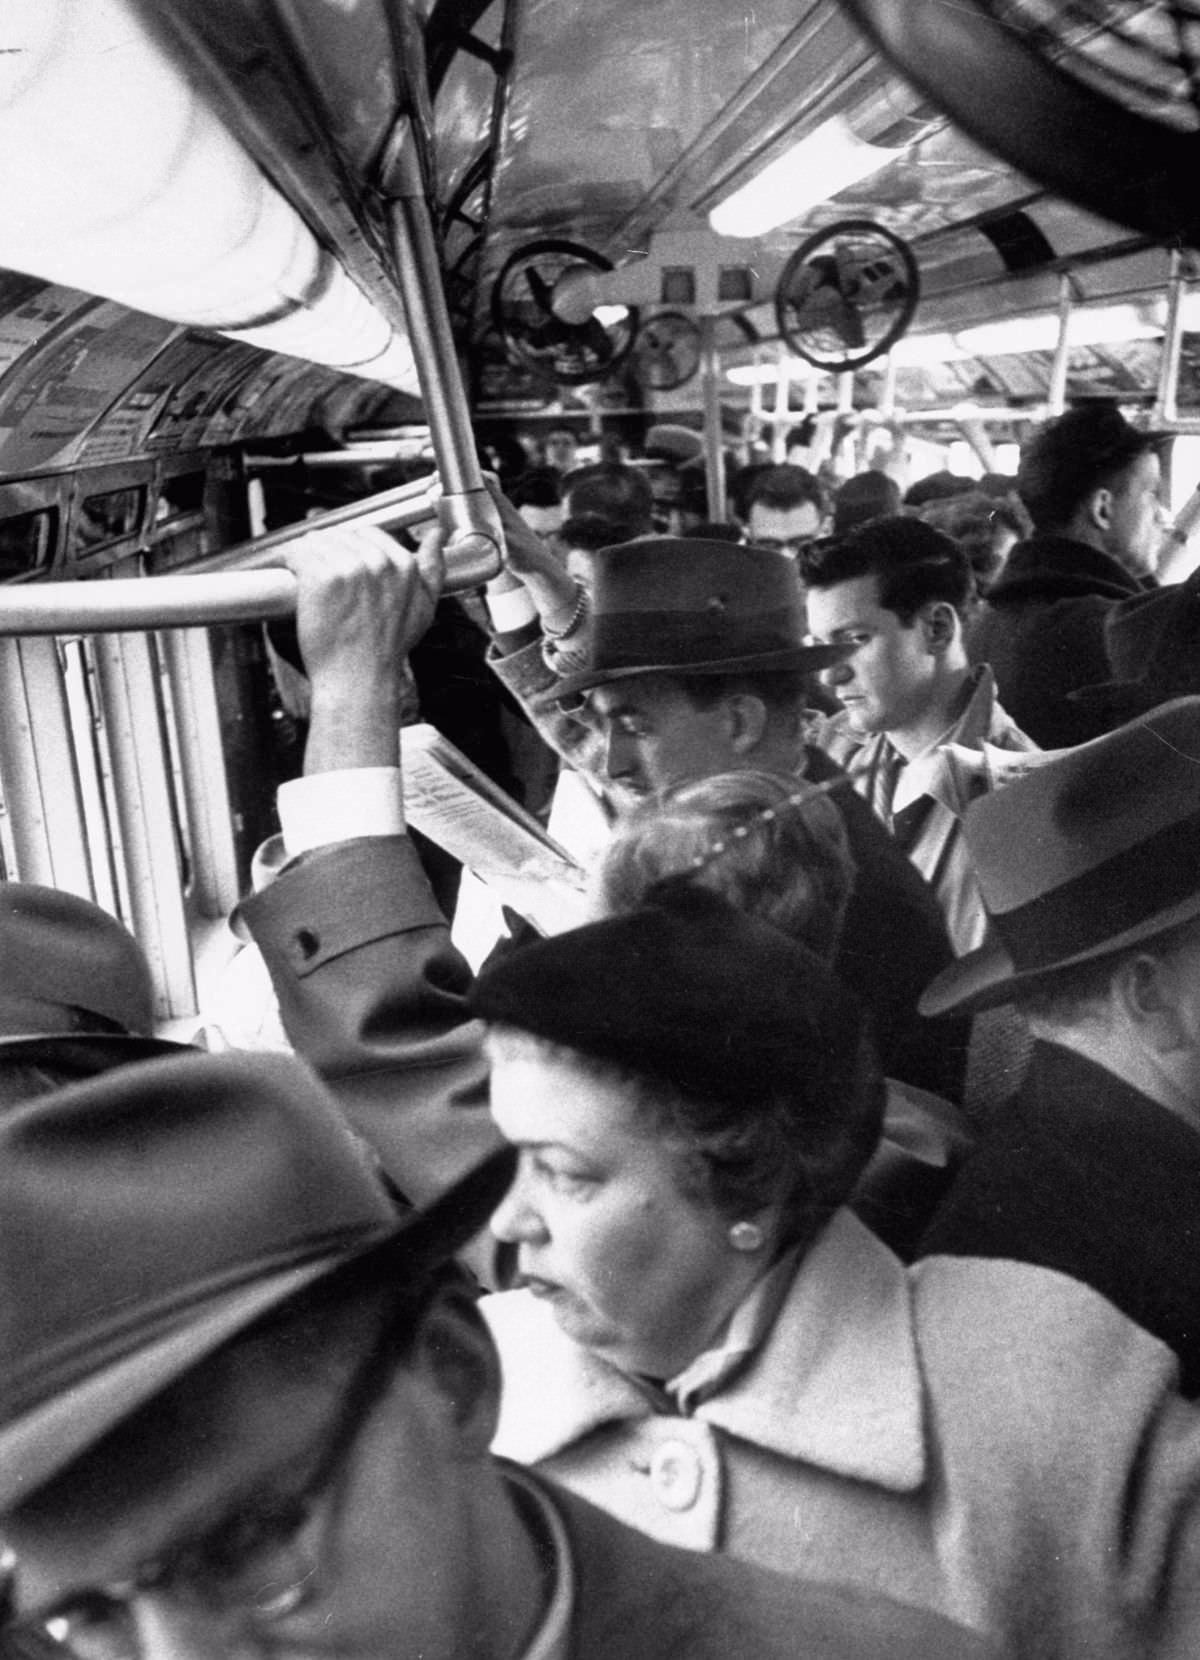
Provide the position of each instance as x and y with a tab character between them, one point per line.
408	504
133	604
467	512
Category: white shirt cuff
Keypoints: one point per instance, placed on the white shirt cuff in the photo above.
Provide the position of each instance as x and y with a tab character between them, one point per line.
327	807
510	610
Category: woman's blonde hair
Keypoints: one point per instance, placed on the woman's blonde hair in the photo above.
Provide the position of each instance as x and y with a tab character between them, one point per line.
775	848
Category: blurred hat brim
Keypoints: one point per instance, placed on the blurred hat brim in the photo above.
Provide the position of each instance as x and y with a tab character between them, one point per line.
47	1438
987	976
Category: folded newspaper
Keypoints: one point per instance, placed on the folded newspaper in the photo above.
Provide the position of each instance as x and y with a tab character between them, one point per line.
448	799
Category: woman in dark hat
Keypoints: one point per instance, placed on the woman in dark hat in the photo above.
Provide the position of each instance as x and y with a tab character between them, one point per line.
711	1346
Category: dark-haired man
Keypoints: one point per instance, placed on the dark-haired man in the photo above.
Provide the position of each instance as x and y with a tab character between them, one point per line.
785	509
1092	484
896	590
251	1414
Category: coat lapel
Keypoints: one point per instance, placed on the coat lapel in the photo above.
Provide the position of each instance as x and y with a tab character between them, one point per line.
842	1394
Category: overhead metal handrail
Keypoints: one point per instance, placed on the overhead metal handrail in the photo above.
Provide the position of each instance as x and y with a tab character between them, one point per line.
132	604
236	585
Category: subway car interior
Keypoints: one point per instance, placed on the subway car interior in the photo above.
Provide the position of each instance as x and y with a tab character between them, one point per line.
261	259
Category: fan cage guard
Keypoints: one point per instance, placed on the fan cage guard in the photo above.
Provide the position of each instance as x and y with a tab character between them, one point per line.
1145	58
884	293
569	354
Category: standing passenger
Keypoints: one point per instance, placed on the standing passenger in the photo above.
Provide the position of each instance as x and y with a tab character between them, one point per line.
897	591
1089	873
1092	485
245	1410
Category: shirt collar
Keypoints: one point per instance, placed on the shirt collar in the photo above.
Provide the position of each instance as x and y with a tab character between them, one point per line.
551	1640
924	774
842	1394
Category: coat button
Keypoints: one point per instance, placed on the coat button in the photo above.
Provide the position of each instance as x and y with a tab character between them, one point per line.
676	1474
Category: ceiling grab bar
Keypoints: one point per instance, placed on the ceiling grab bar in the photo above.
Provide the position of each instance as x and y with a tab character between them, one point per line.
236	585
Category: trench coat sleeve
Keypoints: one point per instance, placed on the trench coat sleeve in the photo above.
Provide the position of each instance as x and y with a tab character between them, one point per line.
372	995
526	674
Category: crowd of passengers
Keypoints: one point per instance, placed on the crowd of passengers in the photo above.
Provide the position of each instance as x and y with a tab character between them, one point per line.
797	1258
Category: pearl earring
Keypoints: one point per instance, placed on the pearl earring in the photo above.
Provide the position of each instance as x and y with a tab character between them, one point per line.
746	1236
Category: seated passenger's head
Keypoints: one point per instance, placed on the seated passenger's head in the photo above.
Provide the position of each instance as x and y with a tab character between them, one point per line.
896	591
866	496
1088	872
1092	476
697	662
538	498
985	525
785	509
246	1408
75	991
774	848
692	1095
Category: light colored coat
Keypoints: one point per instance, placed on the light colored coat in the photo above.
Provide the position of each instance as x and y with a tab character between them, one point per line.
938	848
987	1439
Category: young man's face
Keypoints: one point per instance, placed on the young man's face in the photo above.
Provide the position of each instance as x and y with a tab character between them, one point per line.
786	529
226	1514
886	684
655	736
1136	514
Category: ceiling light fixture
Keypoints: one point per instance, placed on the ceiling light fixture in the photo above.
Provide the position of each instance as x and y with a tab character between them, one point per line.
830	159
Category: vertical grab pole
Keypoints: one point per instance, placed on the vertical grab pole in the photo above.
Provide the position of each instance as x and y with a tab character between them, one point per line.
1165	402
714	461
467	512
1056	398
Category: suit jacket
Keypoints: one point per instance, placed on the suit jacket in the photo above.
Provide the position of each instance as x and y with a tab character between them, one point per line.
639	1600
987	1439
1041	628
1085	1175
371	993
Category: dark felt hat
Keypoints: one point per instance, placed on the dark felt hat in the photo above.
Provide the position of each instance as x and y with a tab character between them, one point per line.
1091	851
677	605
685	989
66	968
1153	647
153	1212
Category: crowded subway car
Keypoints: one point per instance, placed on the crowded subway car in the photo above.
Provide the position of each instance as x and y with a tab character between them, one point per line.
599	788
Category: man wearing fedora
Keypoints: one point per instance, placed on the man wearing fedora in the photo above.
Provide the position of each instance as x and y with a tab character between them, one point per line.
689	659
250	1413
1092	485
1089	873
75	991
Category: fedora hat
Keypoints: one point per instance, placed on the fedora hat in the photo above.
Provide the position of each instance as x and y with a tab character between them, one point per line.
1093	850
152	1212
68	969
1153	646
679	605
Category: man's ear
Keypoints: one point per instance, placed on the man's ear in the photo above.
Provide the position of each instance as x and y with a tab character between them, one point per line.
454	1348
746	721
940	624
1145	985
1098	508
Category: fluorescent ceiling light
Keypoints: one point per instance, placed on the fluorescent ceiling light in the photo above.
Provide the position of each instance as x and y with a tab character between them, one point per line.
767	374
830	159
118	180
1087	326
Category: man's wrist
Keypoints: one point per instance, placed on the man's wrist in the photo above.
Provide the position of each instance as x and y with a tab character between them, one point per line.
340	805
